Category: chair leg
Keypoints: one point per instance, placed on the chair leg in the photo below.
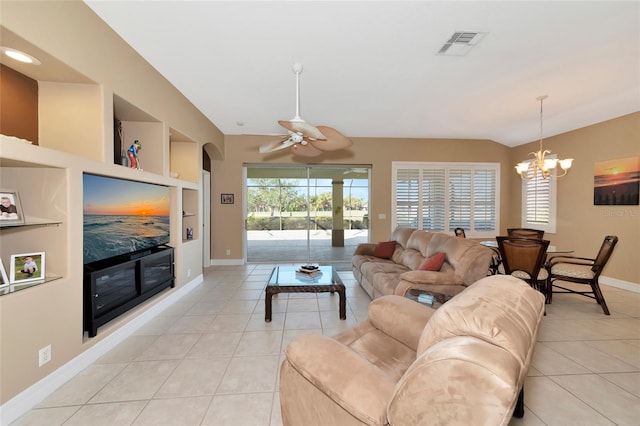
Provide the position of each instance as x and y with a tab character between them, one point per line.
518	411
600	297
549	291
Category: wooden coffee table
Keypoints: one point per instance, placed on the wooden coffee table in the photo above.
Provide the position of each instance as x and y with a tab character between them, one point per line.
284	279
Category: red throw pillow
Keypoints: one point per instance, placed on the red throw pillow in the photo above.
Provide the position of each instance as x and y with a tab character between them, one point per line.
433	263
385	249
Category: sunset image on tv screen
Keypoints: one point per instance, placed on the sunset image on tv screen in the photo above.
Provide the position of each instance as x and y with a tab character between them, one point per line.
123	216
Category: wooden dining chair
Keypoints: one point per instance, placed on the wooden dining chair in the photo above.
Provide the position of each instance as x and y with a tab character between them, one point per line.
580	270
525	233
524	258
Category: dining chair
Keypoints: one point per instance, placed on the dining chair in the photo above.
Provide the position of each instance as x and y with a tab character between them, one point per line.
459	232
524	258
525	233
580	270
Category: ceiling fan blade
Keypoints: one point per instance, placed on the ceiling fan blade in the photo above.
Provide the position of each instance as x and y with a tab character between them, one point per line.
303	127
275	145
334	141
306	150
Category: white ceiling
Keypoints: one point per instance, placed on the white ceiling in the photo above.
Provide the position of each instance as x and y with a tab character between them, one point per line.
371	68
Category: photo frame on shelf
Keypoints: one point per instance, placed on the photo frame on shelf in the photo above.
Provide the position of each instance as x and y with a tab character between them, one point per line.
226	198
27	267
4	279
10	208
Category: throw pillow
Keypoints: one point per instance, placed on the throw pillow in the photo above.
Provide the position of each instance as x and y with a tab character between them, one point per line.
433	263
385	249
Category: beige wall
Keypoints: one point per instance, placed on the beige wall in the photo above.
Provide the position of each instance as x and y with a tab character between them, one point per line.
581	225
227	220
72	33
95	64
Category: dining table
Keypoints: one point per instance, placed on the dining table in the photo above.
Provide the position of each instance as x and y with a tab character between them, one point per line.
550	250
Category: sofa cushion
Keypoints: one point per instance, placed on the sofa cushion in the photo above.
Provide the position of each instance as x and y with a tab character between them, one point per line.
433	263
384	249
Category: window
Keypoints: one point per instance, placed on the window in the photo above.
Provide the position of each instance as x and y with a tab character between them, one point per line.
539	202
444	196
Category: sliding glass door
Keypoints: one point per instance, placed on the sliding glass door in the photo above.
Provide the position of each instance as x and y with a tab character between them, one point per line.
314	214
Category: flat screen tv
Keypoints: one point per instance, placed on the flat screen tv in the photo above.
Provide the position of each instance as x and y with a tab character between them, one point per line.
123	216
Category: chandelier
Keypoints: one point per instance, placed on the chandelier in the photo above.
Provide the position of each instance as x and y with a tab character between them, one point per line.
547	167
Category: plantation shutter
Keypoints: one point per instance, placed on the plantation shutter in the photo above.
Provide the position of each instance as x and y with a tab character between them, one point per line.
407	196
538	202
433	199
460	192
484	196
443	196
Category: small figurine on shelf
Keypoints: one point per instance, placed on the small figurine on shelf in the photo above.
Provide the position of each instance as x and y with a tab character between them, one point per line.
132	153
189	233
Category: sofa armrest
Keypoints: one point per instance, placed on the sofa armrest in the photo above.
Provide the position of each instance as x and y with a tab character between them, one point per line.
352	382
366	249
399	317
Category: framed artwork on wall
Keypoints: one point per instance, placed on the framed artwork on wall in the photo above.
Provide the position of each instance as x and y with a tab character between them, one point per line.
10	208
226	198
617	182
27	267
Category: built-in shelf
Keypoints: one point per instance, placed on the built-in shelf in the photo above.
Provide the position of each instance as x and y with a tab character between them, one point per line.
12	288
31	222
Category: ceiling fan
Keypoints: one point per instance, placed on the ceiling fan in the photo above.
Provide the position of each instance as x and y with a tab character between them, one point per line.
304	139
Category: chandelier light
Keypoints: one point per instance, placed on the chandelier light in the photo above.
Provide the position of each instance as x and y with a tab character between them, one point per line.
547	167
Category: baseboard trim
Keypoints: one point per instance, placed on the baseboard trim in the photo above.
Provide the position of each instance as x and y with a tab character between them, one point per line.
227	262
34	394
624	285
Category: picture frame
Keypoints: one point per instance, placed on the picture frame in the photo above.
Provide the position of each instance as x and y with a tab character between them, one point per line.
4	279
10	208
617	182
23	270
226	198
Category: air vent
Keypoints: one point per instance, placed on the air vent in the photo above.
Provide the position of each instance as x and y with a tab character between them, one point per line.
460	43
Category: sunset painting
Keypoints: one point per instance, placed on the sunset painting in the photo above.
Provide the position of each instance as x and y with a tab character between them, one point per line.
617	182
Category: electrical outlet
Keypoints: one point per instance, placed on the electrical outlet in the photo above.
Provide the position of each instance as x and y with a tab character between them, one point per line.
189	272
44	355
228	252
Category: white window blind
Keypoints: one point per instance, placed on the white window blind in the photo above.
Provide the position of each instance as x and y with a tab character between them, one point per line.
444	196
538	202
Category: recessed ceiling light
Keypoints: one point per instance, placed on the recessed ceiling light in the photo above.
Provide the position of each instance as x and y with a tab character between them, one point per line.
19	56
239	123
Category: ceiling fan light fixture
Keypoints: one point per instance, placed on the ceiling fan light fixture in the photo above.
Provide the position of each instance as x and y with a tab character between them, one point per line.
305	150
303	138
334	139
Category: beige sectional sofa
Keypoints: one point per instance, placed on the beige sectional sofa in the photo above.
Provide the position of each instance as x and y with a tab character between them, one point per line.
466	262
408	364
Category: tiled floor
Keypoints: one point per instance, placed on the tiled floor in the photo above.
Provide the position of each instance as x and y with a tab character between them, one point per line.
210	359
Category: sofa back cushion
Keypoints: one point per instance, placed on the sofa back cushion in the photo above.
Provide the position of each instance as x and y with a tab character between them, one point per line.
401	236
467	258
500	309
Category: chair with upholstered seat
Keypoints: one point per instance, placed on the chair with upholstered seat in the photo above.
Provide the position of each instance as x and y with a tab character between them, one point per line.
524	258
525	233
580	270
459	232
